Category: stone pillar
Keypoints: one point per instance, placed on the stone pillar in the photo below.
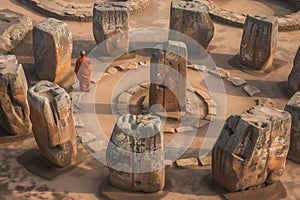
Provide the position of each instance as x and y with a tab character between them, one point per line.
168	76
110	24
135	154
14	109
293	107
52	122
52	48
191	18
294	77
259	41
252	148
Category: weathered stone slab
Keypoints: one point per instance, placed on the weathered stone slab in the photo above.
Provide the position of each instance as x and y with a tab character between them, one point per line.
259	41
251	90
252	148
196	67
13	28
187	162
52	122
191	18
110	24
52	48
237	81
14	108
168	76
135	155
293	107
294	77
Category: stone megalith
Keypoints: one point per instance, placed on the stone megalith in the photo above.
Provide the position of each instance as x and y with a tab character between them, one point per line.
259	41
13	28
14	108
168	76
293	107
52	122
252	148
110	24
135	154
191	18
294	77
52	48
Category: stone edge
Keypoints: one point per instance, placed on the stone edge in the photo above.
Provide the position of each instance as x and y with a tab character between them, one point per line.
81	12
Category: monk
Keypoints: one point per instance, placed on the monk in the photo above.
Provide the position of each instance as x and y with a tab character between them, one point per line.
83	72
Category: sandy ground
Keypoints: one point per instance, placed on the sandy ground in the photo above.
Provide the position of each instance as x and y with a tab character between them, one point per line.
83	182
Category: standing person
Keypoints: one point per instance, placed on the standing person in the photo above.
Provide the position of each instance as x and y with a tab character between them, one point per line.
83	72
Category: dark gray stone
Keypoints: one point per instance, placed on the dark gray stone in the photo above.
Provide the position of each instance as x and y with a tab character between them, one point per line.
294	77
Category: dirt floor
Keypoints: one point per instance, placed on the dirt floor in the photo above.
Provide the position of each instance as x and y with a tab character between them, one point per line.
16	183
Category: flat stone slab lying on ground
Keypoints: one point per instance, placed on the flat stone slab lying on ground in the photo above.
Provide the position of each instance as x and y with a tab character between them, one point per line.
251	90
13	28
205	161
196	67
186	163
184	129
237	81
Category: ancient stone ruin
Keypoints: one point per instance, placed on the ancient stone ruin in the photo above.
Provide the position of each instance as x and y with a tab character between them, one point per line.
293	107
110	24
14	109
52	122
14	27
135	155
252	149
191	18
294	77
259	41
168	76
52	48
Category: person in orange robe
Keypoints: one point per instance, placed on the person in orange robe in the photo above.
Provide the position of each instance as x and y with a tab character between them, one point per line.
83	72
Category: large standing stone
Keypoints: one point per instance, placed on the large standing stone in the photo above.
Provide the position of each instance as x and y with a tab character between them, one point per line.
135	155
259	41
14	109
52	48
294	77
191	18
52	122
110	24
293	107
13	28
252	148
168	76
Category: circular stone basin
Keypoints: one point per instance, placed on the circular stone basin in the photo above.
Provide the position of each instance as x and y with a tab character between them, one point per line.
265	7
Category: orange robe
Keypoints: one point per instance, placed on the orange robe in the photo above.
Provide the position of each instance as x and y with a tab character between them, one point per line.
83	72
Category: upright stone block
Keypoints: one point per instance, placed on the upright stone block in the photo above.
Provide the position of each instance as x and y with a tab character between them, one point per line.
52	122
14	108
259	41
252	148
52	48
13	28
191	18
294	77
135	154
293	107
110	24
168	76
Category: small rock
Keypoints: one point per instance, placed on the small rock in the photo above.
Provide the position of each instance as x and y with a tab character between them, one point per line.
143	63
145	85
224	73
86	137
251	90
184	129
265	101
97	145
112	71
186	163
205	161
168	163
127	66
135	89
78	122
237	81
169	130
